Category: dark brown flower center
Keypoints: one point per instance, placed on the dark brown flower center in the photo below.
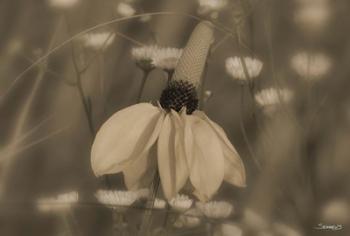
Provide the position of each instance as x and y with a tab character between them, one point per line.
179	94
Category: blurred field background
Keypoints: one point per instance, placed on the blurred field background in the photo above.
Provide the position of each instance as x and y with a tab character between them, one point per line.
297	158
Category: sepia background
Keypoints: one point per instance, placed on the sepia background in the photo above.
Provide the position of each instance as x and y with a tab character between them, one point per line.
297	156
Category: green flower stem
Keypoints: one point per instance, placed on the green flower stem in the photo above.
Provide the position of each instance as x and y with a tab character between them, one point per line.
143	83
148	215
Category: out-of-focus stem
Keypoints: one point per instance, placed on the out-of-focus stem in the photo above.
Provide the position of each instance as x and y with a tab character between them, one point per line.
147	217
23	116
142	87
243	130
84	101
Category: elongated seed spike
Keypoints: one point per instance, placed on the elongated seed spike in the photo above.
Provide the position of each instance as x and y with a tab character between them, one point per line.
192	62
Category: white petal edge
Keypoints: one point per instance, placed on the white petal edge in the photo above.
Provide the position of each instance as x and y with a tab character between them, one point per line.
126	135
204	155
234	167
171	164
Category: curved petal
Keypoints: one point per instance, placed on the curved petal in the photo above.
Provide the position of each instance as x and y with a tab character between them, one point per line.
204	156
125	136
171	164
139	173
234	167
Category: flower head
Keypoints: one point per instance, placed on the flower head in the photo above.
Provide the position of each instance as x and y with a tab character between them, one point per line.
167	58
159	203
311	66
215	209
211	7
189	145
237	69
125	9
269	98
63	4
149	57
61	202
117	198
144	56
181	202
98	40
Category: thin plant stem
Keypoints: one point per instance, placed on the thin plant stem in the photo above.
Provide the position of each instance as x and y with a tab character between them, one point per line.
243	130
23	116
148	215
143	83
83	98
216	25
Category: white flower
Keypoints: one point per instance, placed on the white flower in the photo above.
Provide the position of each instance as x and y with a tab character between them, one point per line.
148	57
312	16
311	66
63	4
159	203
189	145
61	202
235	68
229	230
144	56
211	6
115	198
167	58
215	209
336	211
189	219
181	202
125	9
269	98
98	40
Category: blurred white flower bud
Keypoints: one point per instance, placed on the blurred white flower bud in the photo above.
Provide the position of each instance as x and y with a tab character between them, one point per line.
311	66
235	67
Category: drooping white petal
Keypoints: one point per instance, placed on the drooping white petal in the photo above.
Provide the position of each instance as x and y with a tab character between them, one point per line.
234	168
204	155
140	172
171	161
125	136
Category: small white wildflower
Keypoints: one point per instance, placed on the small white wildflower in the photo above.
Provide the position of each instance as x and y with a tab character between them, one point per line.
115	198
98	40
269	98
125	9
336	211
144	56
63	4
285	230
235	68
167	58
181	202
229	230
61	202
215	209
159	203
211	7
311	66
189	219
312	16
